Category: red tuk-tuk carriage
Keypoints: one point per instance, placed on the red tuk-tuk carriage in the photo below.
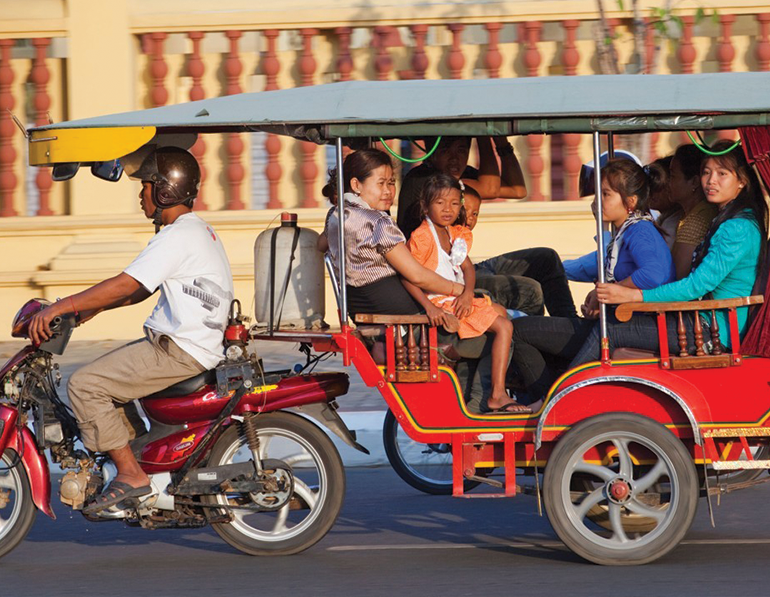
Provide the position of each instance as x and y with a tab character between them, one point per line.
626	446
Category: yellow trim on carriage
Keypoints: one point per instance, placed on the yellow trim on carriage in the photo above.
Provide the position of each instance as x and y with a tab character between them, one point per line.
56	146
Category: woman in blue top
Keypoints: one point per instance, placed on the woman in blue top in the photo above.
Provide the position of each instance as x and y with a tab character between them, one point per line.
725	265
637	257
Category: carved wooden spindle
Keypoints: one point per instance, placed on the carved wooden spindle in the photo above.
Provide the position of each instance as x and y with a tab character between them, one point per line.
570	58
716	342
234	144
456	60
424	348
419	57
697	329
763	41
308	170
158	69
681	333
344	59
412	351
400	349
7	129
532	60
493	59
195	69
42	102
383	63
271	67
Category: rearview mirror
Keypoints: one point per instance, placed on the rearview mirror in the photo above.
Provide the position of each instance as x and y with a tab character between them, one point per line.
111	171
65	171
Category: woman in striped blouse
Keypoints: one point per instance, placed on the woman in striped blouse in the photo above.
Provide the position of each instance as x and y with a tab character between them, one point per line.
375	247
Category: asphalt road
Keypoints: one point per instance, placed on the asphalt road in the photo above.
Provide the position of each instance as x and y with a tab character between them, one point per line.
391	540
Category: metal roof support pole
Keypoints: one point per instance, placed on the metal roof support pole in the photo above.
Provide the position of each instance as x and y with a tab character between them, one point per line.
605	352
342	253
341	218
610	145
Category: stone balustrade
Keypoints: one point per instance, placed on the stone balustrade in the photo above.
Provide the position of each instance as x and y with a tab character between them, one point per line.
192	60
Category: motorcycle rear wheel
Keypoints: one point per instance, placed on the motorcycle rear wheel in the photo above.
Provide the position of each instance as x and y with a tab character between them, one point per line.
18	514
319	486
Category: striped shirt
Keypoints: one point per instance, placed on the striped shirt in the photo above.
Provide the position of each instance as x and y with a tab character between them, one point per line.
369	234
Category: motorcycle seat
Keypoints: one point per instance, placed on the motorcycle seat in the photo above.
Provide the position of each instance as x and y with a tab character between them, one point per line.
187	386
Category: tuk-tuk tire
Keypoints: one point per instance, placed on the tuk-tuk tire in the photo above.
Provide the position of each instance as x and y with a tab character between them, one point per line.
406	470
591	544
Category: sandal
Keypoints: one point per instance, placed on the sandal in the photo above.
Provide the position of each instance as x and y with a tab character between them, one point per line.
505	409
116	493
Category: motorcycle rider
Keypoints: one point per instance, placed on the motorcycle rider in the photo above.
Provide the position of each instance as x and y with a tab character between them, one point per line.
183	335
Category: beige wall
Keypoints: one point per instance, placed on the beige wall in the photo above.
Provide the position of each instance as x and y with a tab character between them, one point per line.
73	254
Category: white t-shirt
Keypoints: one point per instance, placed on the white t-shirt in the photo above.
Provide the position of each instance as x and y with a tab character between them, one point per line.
187	260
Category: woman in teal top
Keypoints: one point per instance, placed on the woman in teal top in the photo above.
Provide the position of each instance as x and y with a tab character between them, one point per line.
725	265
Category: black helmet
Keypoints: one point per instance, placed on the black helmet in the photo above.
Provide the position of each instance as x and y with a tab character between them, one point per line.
174	174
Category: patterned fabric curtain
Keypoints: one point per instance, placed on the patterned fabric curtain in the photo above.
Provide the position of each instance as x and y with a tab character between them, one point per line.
756	146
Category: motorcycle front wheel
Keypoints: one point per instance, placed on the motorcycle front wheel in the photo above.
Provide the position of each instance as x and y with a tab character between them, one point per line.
17	510
319	486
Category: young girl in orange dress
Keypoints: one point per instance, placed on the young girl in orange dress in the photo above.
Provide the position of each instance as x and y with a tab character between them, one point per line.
442	243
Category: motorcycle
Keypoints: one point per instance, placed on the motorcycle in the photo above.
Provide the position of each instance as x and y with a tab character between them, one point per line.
223	448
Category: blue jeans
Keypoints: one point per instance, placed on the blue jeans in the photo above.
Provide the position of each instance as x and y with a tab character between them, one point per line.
641	332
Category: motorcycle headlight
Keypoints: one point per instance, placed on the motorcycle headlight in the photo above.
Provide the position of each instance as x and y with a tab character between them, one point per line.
21	320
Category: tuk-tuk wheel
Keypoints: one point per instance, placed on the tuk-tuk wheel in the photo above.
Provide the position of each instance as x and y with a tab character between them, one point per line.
426	467
633	468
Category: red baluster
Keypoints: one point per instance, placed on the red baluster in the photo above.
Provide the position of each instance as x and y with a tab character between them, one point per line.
686	52
234	144
725	56
649	46
40	77
344	59
7	129
383	63
493	59
456	60
308	170
158	70
271	66
725	49
570	58
650	61
763	43
532	59
419	58
195	69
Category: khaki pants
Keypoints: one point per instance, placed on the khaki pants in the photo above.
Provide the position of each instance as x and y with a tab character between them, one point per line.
127	373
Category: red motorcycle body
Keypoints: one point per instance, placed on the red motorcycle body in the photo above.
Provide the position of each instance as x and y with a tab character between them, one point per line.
197	411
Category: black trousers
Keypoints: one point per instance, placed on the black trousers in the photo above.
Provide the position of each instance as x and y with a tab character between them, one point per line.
537	338
527	280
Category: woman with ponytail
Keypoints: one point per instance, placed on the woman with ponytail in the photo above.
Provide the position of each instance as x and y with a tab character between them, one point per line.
637	257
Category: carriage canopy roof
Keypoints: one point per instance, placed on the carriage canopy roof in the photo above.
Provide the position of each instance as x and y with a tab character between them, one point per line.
530	105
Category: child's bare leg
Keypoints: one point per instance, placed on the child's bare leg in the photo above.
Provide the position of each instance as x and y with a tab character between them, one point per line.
502	328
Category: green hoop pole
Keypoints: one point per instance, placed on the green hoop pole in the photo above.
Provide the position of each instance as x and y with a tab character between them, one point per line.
707	151
410	160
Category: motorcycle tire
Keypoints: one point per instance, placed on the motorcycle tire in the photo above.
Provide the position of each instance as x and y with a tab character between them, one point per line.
319	486
17	514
